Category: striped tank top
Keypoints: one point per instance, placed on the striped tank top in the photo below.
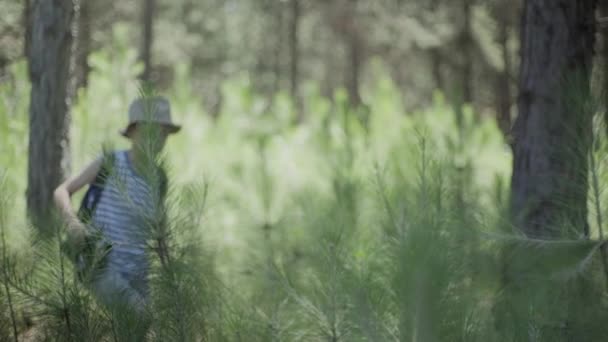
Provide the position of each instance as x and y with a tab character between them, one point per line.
123	214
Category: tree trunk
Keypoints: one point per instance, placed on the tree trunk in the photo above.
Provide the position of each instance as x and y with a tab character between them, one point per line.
27	26
49	61
435	59
354	77
187	8
354	42
83	45
551	134
294	53
329	80
294	63
149	9
503	79
467	53
435	56
278	50
343	21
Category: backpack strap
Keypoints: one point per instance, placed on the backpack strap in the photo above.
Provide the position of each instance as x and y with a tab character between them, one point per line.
93	194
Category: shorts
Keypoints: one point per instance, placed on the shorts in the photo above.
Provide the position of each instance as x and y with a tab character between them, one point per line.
116	289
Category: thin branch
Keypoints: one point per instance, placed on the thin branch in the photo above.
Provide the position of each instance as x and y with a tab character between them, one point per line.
65	311
598	214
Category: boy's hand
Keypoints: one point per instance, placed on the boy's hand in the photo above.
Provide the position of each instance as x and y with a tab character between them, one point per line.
77	235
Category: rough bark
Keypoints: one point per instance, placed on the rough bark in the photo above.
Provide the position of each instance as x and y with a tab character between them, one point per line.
551	134
149	9
49	61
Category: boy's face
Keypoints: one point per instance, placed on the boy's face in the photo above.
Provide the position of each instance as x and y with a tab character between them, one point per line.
149	137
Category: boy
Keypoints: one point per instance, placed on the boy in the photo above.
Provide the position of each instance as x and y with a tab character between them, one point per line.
127	204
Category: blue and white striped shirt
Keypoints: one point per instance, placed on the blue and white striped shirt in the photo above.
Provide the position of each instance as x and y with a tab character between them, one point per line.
123	213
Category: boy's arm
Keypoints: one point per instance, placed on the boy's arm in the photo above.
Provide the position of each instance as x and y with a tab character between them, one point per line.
62	197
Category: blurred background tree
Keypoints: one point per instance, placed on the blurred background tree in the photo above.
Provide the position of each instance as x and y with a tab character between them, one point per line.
466	49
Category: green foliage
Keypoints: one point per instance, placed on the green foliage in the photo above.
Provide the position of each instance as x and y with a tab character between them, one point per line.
354	225
14	97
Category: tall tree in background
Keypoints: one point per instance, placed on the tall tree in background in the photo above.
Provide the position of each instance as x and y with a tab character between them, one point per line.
278	48
551	145
355	55
467	45
27	26
345	24
83	44
435	55
503	13
294	52
149	10
48	60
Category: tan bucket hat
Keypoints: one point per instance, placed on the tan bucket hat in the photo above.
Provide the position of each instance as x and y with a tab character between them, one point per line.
151	109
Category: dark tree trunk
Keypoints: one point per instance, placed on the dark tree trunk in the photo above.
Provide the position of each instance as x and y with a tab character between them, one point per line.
343	21
329	82
354	75
187	8
551	134
49	61
149	9
294	53
278	50
27	26
467	53
294	56
435	56
83	44
435	59
355	54
503	79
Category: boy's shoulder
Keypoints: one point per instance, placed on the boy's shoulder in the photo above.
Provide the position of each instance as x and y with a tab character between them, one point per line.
109	157
113	153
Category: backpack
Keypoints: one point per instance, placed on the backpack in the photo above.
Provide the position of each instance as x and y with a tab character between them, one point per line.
93	256
93	195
